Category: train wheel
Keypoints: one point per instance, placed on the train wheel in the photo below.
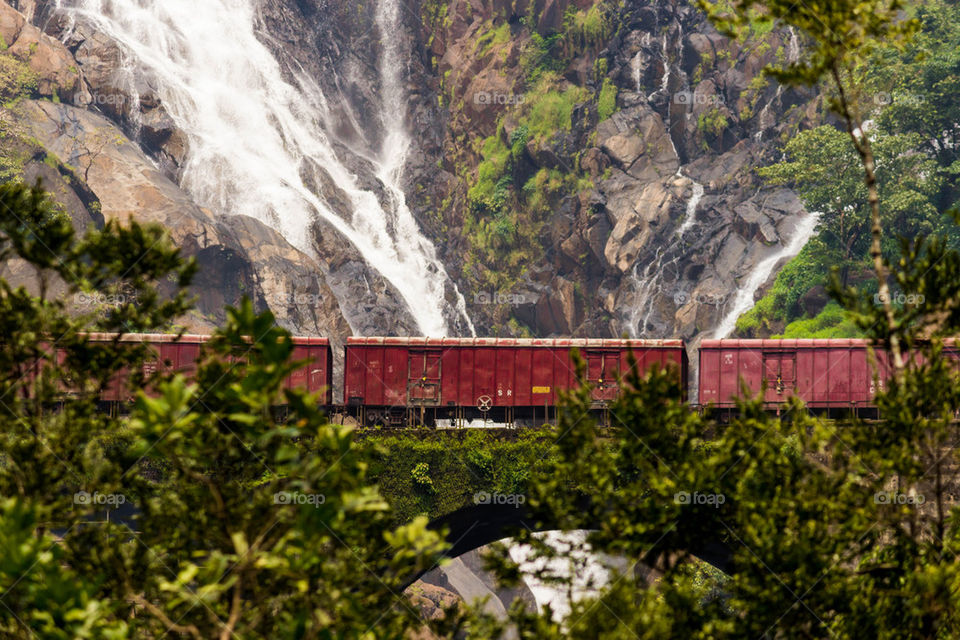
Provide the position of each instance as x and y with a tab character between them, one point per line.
375	418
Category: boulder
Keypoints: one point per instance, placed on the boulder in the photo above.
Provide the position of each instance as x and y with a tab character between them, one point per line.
814	300
54	65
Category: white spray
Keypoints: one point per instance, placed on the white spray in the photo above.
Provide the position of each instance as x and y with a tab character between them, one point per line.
252	135
743	301
652	283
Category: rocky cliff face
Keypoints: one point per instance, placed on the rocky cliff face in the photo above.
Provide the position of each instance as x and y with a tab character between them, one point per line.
693	119
100	174
640	213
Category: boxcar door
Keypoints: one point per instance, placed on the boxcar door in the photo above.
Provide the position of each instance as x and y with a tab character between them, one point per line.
780	374
423	381
603	373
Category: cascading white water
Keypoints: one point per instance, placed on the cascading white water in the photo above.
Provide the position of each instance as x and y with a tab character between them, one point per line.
793	46
651	284
637	64
665	83
665	58
743	301
253	135
765	120
588	571
695	197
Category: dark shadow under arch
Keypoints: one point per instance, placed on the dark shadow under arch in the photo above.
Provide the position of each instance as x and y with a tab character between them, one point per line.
474	526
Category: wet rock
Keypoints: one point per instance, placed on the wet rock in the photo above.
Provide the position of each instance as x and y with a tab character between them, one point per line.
752	223
238	255
592	241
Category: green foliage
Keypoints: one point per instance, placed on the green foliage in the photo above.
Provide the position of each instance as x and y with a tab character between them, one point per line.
712	122
917	89
244	526
493	38
915	178
518	142
826	172
548	110
485	194
832	530
831	322
845	536
607	102
287	504
459	466
585	28
781	304
50	589
17	79
421	477
540	55
507	206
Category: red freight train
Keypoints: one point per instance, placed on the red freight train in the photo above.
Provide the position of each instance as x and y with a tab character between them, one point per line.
179	354
454	381
828	375
399	381
825	374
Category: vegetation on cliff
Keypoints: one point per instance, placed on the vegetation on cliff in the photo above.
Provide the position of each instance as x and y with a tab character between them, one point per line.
17	81
251	527
517	177
436	474
910	99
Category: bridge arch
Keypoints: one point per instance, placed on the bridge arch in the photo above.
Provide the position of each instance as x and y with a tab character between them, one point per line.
474	526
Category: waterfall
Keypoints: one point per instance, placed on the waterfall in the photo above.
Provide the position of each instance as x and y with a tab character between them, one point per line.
793	46
692	204
665	83
743	301
257	141
650	285
637	64
764	120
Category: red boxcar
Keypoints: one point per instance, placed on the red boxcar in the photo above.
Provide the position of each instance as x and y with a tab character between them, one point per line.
833	375
420	380
173	354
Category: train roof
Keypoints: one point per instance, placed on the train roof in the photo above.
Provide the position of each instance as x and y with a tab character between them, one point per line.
162	338
580	343
799	343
